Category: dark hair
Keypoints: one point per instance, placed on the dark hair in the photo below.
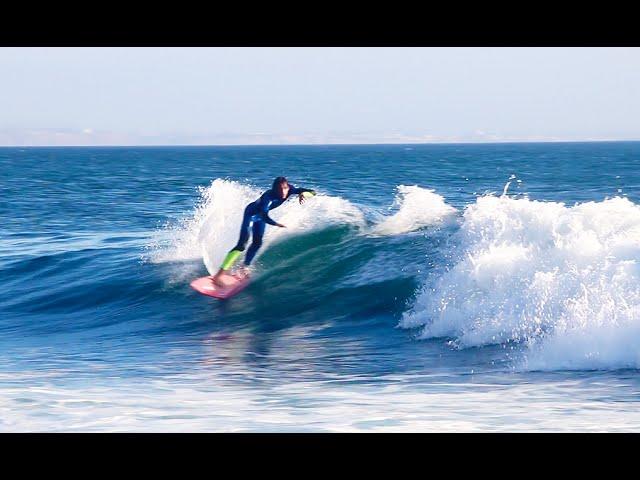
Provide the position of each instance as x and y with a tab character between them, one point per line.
278	181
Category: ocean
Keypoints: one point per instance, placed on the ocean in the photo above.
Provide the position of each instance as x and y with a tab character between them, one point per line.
458	287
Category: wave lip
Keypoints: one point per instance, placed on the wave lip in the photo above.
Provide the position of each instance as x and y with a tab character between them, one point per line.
565	281
417	208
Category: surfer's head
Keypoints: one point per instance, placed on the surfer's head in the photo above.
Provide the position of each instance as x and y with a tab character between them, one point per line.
281	187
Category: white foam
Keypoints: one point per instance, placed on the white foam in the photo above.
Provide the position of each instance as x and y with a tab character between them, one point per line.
214	227
565	280
219	206
207	401
417	208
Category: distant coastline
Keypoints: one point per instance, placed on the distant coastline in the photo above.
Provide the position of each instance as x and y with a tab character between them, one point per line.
89	137
373	144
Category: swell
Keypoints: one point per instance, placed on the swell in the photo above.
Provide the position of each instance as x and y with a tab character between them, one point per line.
319	275
333	257
71	291
330	264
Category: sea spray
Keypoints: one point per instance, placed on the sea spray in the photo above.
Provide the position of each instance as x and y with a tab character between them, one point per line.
417	208
214	226
563	280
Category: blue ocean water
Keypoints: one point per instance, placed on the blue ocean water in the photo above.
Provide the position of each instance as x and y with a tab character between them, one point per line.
491	287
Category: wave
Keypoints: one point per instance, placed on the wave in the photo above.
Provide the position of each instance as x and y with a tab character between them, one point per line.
326	252
214	227
417	208
562	280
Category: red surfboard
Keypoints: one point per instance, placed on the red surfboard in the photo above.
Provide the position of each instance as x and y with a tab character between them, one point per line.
205	286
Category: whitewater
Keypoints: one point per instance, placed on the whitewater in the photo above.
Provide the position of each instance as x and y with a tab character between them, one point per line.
564	281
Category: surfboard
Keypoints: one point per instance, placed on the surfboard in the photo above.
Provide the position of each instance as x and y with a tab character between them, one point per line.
205	286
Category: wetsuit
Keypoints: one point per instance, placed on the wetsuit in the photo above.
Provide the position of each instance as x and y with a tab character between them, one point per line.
256	215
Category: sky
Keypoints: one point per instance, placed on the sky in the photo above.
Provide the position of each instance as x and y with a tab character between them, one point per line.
231	96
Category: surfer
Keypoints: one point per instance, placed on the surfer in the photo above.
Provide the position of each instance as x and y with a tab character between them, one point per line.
256	216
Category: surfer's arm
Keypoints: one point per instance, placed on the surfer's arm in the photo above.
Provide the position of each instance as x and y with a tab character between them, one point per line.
302	193
298	191
263	210
265	216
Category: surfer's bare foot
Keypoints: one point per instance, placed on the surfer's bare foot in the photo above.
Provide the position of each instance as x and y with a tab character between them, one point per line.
223	280
243	272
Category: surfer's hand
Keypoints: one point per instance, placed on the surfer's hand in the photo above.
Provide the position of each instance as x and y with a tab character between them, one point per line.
301	198
282	226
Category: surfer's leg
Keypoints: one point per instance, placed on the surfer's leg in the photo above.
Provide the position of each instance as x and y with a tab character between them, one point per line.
222	277
256	242
235	252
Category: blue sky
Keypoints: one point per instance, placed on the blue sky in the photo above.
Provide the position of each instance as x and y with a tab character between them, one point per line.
139	96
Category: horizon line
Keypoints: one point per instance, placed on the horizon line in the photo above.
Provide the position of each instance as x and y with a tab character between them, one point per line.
498	142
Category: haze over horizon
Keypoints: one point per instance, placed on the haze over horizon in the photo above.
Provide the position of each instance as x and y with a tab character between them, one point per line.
276	96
